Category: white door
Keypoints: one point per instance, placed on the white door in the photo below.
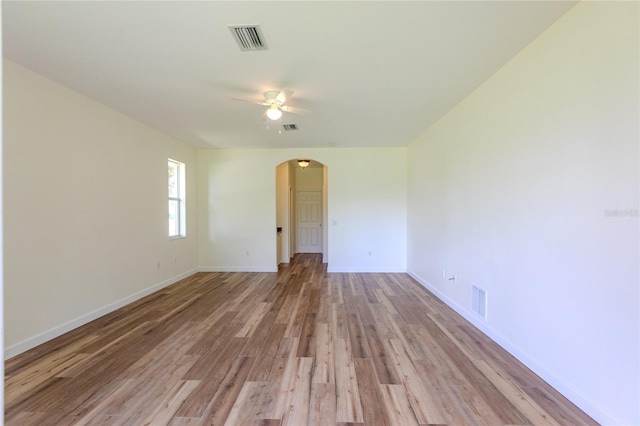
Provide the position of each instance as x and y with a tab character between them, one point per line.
309	208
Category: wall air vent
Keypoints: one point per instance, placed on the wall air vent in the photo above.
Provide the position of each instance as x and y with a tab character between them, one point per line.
479	302
289	127
248	37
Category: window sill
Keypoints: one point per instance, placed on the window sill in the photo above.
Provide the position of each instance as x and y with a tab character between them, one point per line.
177	237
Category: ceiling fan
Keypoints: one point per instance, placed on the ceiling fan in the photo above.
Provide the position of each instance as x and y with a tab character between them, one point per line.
275	99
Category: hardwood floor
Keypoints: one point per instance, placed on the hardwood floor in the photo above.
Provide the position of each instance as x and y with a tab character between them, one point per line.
297	347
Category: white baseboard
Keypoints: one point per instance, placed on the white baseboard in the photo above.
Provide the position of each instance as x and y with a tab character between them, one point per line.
364	270
238	269
572	394
38	339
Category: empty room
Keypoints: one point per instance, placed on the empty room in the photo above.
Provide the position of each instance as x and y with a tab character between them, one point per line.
373	212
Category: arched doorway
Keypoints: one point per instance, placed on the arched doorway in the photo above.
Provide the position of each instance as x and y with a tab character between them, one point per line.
301	209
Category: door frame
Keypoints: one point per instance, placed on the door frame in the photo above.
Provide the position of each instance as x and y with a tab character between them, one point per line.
291	219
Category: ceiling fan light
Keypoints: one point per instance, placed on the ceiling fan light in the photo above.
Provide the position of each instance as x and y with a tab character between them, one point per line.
303	163
274	113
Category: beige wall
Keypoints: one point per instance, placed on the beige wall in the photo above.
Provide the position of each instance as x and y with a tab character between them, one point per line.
309	179
85	209
282	210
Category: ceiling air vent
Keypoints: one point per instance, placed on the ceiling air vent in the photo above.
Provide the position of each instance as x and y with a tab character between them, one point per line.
248	37
289	127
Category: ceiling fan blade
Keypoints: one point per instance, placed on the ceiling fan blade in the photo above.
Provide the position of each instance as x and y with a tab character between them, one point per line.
250	101
295	110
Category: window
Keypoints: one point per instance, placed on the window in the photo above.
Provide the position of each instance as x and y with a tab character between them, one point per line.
177	225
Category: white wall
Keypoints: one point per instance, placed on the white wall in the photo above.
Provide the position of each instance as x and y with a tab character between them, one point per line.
85	209
367	203
510	191
366	200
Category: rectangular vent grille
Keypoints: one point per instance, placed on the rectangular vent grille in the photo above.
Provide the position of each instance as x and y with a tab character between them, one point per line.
289	127
248	37
479	302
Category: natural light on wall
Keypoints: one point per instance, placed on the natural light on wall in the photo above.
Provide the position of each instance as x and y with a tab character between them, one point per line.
177	225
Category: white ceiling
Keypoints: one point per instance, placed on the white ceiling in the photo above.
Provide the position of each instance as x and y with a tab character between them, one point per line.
374	73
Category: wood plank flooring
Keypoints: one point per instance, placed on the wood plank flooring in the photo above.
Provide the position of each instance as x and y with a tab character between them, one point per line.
296	347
